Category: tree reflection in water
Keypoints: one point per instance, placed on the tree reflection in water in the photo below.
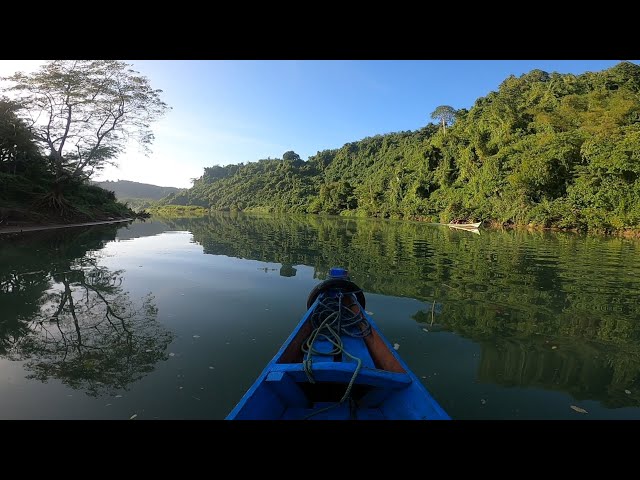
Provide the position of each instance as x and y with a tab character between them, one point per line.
75	322
517	294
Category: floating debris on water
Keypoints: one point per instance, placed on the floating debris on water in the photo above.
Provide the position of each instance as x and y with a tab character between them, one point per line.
172	354
195	397
148	351
118	396
578	409
483	401
554	347
211	368
108	405
133	416
196	336
368	312
396	346
180	388
628	392
425	330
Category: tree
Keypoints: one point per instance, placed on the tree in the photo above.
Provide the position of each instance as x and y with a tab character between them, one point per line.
17	146
445	114
85	111
291	156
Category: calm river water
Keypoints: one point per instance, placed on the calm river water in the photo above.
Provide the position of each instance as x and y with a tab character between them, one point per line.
175	318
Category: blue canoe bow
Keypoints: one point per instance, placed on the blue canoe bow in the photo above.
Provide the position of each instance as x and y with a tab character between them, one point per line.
320	374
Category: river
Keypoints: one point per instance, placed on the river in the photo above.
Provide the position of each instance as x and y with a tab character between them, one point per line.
175	318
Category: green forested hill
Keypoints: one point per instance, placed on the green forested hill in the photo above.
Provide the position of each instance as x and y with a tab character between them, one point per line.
548	149
127	189
137	196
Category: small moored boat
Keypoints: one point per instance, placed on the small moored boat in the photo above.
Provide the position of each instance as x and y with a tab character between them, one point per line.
465	225
337	365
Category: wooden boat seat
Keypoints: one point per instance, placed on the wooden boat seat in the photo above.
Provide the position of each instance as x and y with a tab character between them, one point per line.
285	381
341	372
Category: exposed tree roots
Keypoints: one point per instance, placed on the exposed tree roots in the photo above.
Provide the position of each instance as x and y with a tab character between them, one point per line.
54	201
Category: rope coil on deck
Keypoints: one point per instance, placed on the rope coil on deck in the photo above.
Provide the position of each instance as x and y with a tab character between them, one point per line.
331	319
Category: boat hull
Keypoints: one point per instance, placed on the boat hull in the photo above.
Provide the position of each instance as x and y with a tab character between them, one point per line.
380	385
465	225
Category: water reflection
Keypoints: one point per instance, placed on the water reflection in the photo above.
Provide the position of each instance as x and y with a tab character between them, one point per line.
68	318
587	371
531	323
549	310
288	271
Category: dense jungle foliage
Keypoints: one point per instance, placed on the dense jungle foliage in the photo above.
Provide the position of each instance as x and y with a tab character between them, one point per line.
545	149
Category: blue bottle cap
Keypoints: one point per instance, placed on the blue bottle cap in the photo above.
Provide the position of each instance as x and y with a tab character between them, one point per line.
338	272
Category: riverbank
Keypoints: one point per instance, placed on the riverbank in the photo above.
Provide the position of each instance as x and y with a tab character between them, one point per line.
33	228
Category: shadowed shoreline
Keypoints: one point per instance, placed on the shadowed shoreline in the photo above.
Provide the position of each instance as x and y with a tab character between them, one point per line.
33	228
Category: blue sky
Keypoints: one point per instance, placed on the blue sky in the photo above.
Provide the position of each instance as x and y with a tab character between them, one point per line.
239	111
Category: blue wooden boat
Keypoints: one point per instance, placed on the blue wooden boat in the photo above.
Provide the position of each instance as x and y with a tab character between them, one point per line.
337	365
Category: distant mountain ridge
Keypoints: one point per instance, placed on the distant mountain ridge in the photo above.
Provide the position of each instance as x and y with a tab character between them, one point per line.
126	189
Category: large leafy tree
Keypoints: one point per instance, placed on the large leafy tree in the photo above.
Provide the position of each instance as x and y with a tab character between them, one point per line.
85	111
17	146
445	114
291	156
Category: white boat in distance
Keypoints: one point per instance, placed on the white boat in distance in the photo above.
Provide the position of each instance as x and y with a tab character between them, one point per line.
465	225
